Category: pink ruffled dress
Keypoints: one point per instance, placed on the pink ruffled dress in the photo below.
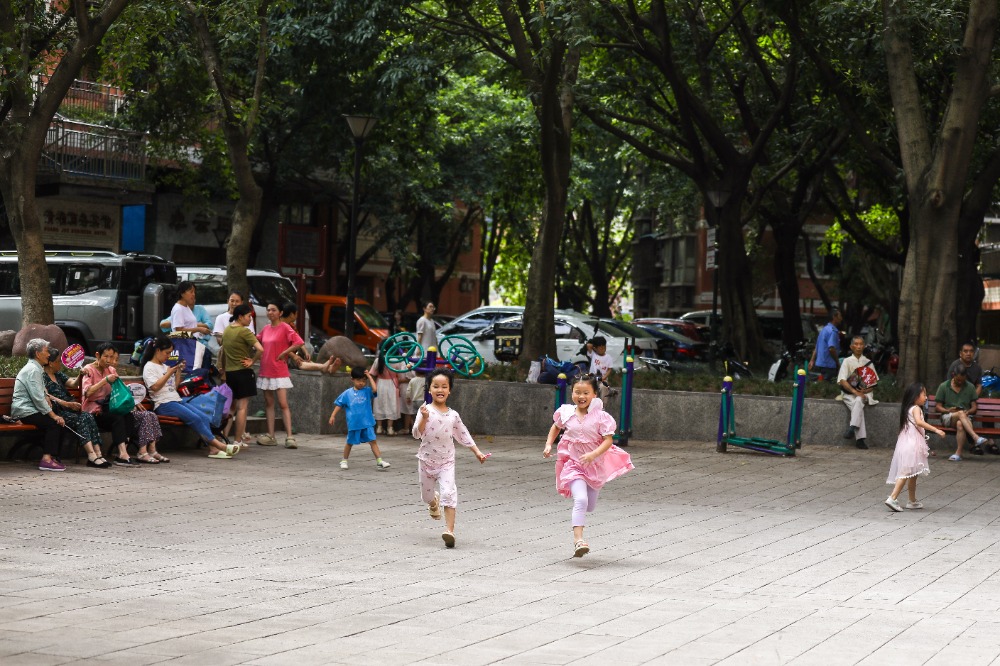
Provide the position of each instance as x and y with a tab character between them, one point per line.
910	458
582	436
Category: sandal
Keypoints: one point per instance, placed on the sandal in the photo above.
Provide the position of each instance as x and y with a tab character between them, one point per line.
449	539
160	458
148	459
581	548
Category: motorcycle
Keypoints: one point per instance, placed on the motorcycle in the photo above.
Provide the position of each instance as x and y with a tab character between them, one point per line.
796	357
731	363
883	355
991	382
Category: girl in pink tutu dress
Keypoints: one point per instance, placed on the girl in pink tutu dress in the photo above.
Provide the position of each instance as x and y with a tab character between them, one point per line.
586	458
438	427
910	458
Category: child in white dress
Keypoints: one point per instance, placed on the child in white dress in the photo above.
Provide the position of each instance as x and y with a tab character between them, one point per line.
909	460
587	457
438	428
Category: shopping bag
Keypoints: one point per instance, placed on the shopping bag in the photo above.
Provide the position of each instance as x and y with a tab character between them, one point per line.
533	372
120	401
210	404
227	393
185	348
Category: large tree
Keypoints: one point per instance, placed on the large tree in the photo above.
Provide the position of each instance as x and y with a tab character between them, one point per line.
42	51
541	47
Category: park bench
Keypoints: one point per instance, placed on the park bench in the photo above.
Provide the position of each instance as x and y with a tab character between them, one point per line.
986	420
7	397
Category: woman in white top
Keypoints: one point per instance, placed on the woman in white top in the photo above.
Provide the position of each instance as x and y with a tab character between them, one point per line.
161	380
182	320
235	298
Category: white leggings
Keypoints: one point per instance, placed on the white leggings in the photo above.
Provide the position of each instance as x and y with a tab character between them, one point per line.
444	479
584	501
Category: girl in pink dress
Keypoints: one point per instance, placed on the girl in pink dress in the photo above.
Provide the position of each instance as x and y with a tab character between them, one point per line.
586	458
910	458
438	428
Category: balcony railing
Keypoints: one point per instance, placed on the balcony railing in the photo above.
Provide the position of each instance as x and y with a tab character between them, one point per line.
78	148
87	100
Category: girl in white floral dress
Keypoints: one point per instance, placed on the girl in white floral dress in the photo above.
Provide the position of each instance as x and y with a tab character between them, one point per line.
438	428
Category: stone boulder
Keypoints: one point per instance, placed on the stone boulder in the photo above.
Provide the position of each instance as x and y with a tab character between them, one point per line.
7	343
342	348
49	332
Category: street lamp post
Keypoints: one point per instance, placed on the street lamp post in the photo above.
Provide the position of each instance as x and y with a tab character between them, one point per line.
717	196
360	127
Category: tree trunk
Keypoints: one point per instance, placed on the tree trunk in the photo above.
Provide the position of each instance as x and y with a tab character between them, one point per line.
936	169
787	276
739	317
22	135
17	185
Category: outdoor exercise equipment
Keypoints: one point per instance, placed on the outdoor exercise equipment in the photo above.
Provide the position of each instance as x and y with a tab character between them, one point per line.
404	353
727	423
625	416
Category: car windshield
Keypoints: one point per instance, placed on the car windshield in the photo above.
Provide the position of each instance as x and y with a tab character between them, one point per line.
266	289
210	291
370	316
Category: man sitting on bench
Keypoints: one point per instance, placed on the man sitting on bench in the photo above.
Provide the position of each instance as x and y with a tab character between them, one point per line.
956	401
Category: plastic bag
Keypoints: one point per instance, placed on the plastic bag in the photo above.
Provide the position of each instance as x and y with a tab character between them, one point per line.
533	372
120	401
227	393
211	404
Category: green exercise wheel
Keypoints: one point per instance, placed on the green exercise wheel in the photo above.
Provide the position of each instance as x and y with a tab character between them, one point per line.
462	356
402	352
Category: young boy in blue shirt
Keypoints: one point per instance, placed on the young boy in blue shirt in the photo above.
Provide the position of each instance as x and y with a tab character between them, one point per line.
357	405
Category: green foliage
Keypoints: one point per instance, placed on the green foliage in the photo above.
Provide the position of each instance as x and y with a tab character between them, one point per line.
882	223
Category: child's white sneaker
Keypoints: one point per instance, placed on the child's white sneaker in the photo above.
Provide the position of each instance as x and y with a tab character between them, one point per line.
893	504
392	431
914	505
343	464
381	464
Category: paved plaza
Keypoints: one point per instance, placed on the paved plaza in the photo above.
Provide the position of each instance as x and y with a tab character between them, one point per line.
279	557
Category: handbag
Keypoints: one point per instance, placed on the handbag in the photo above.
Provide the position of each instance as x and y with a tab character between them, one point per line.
120	401
210	404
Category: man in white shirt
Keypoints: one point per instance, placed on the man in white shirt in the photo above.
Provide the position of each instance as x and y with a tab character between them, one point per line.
855	397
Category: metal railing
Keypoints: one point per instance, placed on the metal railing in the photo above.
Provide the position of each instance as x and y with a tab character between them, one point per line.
87	100
93	150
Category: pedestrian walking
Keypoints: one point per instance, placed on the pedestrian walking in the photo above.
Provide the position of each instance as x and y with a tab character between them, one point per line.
909	460
357	405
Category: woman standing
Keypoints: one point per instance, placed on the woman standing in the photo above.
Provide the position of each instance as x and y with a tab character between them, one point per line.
427	328
80	422
279	340
97	379
182	320
161	380
240	350
235	298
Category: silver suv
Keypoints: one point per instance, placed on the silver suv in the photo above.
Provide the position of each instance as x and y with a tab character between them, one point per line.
98	296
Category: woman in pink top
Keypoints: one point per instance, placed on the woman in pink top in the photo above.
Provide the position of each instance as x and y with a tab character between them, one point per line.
96	380
279	340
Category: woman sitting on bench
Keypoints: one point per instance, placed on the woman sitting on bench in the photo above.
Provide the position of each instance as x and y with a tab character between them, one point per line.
161	380
30	405
82	423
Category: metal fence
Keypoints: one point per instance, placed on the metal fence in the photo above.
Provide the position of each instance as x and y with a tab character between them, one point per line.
94	150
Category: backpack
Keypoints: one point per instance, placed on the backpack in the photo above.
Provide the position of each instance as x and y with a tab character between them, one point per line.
140	350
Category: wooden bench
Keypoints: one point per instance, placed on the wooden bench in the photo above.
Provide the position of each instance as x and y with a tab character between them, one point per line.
7	397
986	420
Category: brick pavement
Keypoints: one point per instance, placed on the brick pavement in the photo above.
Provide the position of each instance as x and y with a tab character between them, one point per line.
278	557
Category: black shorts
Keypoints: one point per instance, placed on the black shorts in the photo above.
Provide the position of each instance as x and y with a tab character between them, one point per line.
242	382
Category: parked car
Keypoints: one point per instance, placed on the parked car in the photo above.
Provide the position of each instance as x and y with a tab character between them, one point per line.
98	296
682	348
476	320
771	323
686	328
330	314
664	345
572	330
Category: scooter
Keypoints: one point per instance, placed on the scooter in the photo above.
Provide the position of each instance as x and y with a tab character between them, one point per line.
799	356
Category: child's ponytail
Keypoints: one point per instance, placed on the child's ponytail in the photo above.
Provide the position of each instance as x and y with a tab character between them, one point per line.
910	396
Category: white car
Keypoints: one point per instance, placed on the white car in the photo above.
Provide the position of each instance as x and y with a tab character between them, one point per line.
572	331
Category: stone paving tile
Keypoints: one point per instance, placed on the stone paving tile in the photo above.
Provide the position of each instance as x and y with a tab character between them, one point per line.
278	557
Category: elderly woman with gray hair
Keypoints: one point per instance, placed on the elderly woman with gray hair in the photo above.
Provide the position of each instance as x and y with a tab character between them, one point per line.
30	405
